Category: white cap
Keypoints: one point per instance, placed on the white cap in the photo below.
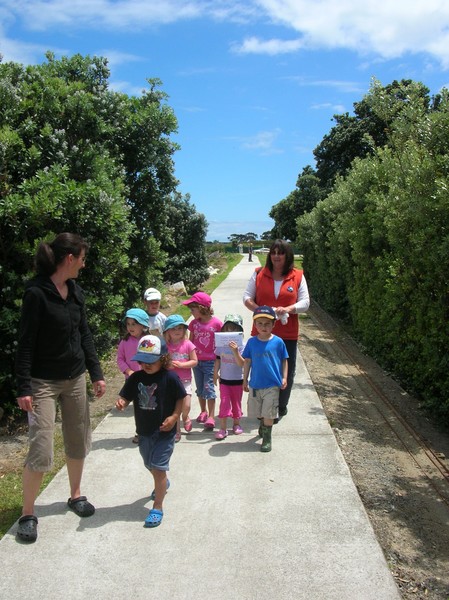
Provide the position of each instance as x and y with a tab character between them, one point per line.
152	294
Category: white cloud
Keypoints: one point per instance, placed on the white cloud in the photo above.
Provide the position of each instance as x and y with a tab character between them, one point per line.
348	87
262	142
22	52
273	47
121	14
386	28
335	108
374	28
118	58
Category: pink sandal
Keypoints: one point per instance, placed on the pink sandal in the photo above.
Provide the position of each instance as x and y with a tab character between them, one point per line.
209	423
201	418
221	434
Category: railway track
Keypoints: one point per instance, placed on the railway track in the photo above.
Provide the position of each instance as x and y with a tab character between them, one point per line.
432	463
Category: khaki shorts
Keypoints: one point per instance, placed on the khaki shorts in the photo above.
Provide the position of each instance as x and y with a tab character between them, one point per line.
76	431
263	403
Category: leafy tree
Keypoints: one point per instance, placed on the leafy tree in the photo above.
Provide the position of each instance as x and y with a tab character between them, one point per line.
250	237
358	135
76	156
185	245
236	239
305	196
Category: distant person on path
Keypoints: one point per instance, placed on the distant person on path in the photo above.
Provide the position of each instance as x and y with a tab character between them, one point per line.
250	253
228	371
55	349
202	329
183	358
136	321
157	394
264	372
283	287
152	300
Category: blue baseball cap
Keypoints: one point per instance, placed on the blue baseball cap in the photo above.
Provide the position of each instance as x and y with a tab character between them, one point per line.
139	315
264	311
174	321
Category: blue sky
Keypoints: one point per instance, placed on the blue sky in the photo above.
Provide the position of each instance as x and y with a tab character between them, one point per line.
254	84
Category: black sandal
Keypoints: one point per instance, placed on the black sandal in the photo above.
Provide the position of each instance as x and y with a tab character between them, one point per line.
27	530
81	506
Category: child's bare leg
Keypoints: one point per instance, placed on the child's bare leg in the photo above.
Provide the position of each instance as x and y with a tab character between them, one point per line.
202	402
186	408
211	407
160	487
223	424
268	422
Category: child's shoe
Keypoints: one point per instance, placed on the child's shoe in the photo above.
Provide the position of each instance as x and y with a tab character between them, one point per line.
201	418
178	436
188	425
209	423
237	429
266	438
221	434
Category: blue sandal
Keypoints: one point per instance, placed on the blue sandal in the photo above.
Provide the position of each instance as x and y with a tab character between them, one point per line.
153	493
154	518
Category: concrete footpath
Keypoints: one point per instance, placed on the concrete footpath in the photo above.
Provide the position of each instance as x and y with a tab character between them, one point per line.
238	524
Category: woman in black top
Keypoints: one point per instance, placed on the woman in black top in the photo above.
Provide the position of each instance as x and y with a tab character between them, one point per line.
54	351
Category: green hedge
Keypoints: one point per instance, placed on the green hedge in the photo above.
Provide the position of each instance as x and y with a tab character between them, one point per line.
376	253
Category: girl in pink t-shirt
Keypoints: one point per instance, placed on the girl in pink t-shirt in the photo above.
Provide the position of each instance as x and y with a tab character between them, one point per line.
183	355
136	321
202	329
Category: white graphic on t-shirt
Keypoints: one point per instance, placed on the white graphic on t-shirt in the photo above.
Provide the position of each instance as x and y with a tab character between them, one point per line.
147	399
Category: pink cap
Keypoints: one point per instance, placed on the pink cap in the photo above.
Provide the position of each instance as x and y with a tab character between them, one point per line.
200	298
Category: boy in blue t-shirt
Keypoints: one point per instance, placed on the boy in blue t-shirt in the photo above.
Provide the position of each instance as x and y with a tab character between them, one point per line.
266	358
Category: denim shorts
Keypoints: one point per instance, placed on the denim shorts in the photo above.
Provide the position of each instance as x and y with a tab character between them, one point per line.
156	450
204	379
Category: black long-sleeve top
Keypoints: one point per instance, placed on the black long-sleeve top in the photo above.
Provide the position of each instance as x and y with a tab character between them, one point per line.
55	341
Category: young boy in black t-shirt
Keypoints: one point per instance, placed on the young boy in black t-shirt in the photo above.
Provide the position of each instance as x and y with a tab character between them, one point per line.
157	394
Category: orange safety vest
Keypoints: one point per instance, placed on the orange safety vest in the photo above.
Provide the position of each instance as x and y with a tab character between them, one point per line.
288	294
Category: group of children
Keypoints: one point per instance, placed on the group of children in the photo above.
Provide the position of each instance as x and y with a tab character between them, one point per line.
157	357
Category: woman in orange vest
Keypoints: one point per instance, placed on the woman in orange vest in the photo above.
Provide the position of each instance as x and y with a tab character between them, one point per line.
280	285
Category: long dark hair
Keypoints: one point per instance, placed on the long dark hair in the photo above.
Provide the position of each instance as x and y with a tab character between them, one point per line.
51	254
283	248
